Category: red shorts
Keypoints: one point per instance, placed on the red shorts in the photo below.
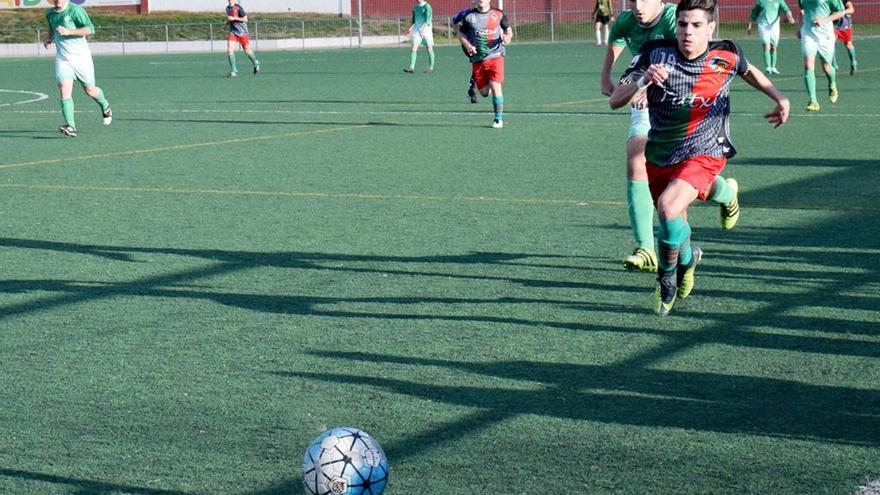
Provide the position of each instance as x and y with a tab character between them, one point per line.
844	35
699	171
491	69
244	40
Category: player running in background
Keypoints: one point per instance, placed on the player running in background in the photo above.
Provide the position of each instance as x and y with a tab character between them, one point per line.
421	33
766	13
645	20
817	37
69	25
237	20
456	22
483	34
603	14
843	30
687	83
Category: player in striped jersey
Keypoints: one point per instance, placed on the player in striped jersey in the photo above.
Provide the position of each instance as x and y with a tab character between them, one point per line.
687	82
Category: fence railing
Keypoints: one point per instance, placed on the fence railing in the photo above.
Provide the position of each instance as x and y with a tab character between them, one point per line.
528	27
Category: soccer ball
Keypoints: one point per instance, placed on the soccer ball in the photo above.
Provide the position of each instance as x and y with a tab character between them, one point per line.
344	461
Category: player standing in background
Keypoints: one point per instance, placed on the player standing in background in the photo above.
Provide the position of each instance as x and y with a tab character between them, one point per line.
817	37
687	83
237	19
421	33
766	13
483	34
843	30
645	20
603	14
456	22
68	27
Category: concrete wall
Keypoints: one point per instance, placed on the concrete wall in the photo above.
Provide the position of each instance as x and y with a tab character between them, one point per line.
338	7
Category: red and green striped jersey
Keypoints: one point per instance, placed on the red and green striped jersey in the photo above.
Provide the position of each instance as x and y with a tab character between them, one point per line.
689	113
483	30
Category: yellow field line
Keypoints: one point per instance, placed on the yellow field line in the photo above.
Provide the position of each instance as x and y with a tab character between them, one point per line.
293	194
176	147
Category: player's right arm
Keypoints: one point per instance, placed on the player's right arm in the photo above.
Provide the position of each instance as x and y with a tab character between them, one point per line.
630	88
611	55
463	29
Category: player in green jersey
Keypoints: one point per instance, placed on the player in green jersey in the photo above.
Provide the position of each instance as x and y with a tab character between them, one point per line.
422	33
645	20
817	37
766	13
69	25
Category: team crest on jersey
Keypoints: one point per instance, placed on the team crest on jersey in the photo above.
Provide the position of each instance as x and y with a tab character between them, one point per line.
719	65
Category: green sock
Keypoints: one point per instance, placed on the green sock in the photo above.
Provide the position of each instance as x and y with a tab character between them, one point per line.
253	56
431	59
232	67
767	58
67	111
412	59
671	233
498	105
102	100
641	212
685	253
773	57
723	193
832	77
810	80
852	56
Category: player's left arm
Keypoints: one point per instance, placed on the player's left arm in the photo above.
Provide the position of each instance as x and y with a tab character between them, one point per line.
757	80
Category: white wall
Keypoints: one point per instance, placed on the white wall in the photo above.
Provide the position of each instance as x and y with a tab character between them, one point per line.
317	6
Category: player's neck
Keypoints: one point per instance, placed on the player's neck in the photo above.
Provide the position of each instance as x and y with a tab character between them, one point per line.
653	22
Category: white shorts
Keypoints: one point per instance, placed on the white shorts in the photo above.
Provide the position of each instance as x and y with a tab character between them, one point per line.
80	69
818	40
422	35
639	122
769	35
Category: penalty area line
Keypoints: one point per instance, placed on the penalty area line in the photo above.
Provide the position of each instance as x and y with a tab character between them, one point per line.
39	97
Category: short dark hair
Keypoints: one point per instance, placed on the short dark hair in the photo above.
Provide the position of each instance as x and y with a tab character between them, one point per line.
706	5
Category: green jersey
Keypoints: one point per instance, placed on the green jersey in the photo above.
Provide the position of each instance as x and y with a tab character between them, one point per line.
819	8
72	17
422	14
627	30
767	12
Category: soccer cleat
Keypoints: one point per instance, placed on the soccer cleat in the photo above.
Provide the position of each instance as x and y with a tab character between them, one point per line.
774	71
67	130
730	211
853	70
642	259
665	295
107	115
768	71
685	274
408	70
232	74
472	93
428	70
833	94
256	69
498	124
813	106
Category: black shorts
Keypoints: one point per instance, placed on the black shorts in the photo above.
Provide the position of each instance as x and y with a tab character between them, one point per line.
604	19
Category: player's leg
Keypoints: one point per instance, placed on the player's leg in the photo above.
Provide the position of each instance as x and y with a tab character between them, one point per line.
725	192
826	55
639	203
230	55
246	46
97	94
598	33
64	76
495	68
673	233
851	51
810	81
414	49
430	48
607	31
84	70
768	58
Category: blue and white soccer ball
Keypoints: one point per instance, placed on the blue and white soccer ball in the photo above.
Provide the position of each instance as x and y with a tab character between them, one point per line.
345	461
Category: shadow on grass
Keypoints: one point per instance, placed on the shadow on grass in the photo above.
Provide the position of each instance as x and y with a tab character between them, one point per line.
79	486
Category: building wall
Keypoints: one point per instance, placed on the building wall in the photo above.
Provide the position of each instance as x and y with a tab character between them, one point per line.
337	7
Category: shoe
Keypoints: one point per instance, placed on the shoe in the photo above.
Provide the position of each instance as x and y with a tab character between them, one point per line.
428	70
813	106
774	71
498	124
730	211
685	274
408	70
853	70
472	93
232	74
107	115
642	259
833	94
67	130
768	71
664	297
256	69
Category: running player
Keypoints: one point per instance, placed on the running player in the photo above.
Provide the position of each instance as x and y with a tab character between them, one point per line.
817	37
483	34
687	83
766	13
645	20
422	33
237	20
843	30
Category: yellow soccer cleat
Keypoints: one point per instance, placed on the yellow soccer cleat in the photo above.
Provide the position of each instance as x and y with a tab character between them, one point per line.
642	259
833	94
686	275
813	106
730	211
